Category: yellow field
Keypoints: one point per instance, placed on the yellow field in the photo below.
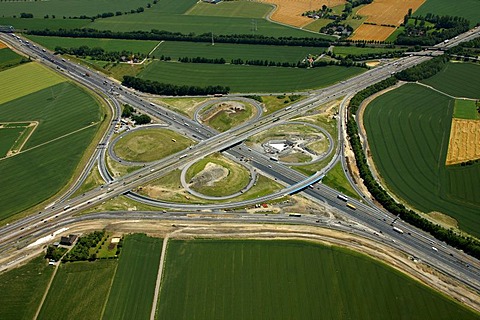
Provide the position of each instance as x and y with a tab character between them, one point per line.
464	141
372	32
389	11
25	79
290	11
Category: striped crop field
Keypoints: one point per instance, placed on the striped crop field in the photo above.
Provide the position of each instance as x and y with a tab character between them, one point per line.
248	279
8	58
131	295
243	9
229	51
242	78
408	133
466	8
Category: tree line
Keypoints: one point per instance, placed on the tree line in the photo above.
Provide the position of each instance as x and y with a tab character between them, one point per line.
177	36
168	89
468	244
424	70
97	53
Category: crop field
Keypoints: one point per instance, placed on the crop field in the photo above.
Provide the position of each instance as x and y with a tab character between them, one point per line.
229	51
150	145
466	8
68	8
133	287
169	7
466	109
248	279
199	25
290	12
8	58
247	78
142	46
21	289
242	9
86	284
389	12
354	50
237	176
372	32
464	142
24	80
458	80
8	136
51	154
40	24
408	133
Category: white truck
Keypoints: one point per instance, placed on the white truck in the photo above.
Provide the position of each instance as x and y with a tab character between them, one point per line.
398	230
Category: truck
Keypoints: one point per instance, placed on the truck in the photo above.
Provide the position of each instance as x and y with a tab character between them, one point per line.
351	206
274	159
183	156
288	108
398	230
295	215
342	197
66	207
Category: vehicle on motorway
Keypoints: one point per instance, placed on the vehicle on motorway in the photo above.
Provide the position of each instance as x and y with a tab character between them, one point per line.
295	215
351	206
398	230
434	249
274	159
342	197
288	108
66	207
183	156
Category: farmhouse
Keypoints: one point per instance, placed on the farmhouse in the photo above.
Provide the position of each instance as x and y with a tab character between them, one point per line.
68	241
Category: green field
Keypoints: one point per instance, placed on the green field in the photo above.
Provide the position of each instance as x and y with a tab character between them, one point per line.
229	51
40	24
133	287
466	8
68	8
466	109
237	178
141	46
52	153
247	78
21	289
225	120
8	136
343	50
9	59
150	145
408	132
228	279
335	178
79	290
242	9
458	80
26	79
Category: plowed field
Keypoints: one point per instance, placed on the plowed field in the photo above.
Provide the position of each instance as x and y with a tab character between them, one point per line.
372	32
464	141
290	11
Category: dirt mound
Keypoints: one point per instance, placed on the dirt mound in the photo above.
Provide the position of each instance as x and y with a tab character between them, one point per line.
228	106
211	174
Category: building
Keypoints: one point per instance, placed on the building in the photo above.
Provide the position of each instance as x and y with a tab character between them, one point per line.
68	241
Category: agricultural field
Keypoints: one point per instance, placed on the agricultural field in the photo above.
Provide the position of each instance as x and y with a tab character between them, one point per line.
217	176
466	109
150	144
242	78
248	279
241	9
408	133
466	8
40	23
290	12
229	51
86	284
51	154
8	58
464	142
133	287
141	46
458	80
354	50
372	32
57	9
21	289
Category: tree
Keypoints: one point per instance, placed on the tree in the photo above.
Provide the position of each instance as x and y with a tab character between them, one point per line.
141	119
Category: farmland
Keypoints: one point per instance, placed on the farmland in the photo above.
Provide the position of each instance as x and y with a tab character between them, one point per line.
52	153
372	32
458	80
409	148
141	46
131	295
40	24
290	280
228	51
354	50
464	141
21	289
151	144
8	58
247	78
466	109
466	8
86	284
242	9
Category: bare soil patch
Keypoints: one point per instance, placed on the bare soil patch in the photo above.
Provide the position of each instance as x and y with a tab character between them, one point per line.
290	12
444	220
464	142
372	32
211	174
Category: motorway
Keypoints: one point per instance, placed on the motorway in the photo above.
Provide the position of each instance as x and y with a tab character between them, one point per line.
414	242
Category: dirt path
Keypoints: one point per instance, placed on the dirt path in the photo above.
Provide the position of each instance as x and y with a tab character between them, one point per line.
159	277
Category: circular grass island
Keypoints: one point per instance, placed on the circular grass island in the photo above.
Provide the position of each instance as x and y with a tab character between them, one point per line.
217	176
224	115
150	144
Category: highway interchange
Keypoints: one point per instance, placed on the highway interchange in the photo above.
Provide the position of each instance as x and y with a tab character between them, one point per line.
370	221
